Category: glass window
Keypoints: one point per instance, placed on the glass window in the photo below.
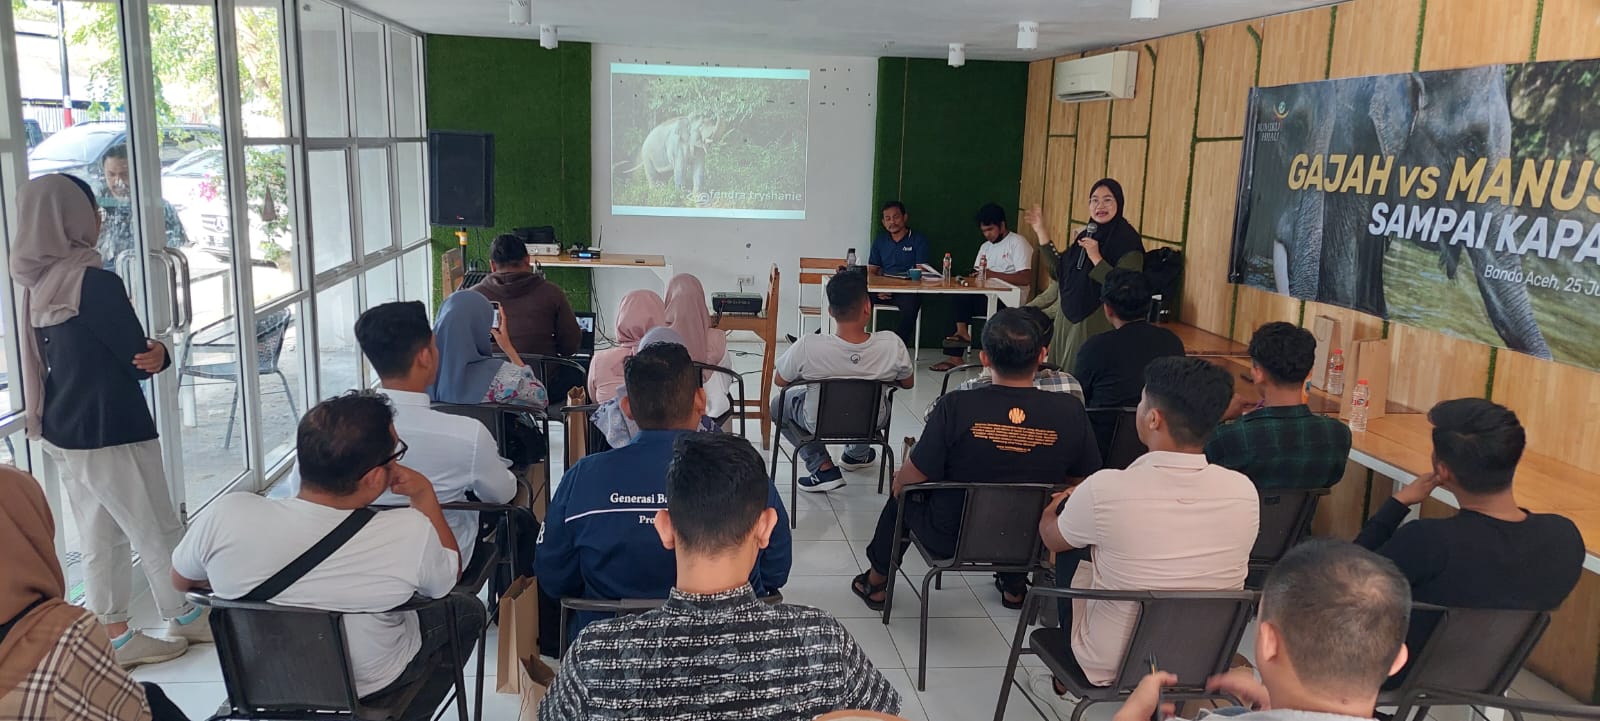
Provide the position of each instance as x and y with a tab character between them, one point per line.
409	188
283	394
404	75
259	26
322	61
330	211
272	237
381	287
338	356
417	276
376	231
372	100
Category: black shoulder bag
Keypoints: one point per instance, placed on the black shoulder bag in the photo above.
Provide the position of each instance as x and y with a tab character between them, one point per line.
316	554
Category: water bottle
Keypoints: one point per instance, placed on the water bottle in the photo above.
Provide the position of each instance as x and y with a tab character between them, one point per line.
983	269
850	258
1358	407
1335	384
946	268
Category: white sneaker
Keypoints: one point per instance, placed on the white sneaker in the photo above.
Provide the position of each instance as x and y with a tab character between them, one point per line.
143	649
1039	685
196	631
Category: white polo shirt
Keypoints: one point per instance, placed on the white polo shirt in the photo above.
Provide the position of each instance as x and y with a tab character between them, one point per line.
457	454
1170	522
1007	255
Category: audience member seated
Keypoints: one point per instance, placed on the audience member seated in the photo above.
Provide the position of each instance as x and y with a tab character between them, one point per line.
686	313
349	456
1493	553
1332	624
56	661
1111	365
1005	256
538	316
850	353
973	436
1282	444
468	370
455	453
615	425
599	539
715	651
637	314
1169	522
1044	377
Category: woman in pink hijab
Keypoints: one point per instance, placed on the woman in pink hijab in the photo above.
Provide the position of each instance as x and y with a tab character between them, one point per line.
639	311
687	314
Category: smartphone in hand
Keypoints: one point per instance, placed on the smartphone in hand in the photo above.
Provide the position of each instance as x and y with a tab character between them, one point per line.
495	324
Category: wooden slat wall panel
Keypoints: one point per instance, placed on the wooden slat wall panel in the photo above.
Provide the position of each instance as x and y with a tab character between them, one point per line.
1566	655
1206	295
1294	47
1257	308
1132	117
1556	404
1570	30
1058	198
1427	367
1376	36
1127	166
1479	32
1226	76
1063	116
1171	134
1094	125
1034	141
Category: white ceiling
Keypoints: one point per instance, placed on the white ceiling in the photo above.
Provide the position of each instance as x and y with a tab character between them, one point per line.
870	28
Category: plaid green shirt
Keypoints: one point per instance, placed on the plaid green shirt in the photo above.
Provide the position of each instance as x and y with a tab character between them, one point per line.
1283	447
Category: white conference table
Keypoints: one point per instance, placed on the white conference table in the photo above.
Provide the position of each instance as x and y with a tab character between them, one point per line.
996	290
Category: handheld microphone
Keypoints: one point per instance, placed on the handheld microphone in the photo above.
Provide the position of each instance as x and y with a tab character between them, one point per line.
1087	230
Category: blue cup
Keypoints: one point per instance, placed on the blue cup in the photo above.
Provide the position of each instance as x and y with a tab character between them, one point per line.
914	274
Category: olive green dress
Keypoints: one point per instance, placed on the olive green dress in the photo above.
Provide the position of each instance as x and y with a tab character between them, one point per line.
1069	336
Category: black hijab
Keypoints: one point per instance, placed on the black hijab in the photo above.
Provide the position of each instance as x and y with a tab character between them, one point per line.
1080	295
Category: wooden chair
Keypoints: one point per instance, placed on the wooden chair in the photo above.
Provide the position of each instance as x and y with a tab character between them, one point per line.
810	275
764	325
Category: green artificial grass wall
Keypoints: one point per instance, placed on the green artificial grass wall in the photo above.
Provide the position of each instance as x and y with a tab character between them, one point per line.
948	141
536	102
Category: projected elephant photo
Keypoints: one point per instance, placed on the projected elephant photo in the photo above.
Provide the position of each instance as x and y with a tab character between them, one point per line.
726	142
1345	246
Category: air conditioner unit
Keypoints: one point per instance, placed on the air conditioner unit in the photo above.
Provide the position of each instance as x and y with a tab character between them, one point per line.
1101	77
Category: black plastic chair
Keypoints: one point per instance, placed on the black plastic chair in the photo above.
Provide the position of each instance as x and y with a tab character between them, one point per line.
1002	540
944	384
1516	707
270	331
1118	436
292	663
499	418
1470	651
594	440
849	412
1285	521
1193	634
627	607
737	409
547	367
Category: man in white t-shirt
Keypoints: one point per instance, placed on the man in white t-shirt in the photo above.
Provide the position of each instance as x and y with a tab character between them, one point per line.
456	453
851	352
1171	522
1005	256
346	448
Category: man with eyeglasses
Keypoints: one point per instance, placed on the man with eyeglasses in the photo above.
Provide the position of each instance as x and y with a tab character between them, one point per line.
349	455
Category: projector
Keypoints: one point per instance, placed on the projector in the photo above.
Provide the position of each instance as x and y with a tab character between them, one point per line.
736	303
585	253
544	248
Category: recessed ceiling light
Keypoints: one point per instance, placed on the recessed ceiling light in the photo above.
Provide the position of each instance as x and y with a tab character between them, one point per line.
1146	9
958	54
521	12
547	37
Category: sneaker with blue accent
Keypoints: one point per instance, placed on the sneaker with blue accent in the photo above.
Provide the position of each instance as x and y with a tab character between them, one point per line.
851	463
823	481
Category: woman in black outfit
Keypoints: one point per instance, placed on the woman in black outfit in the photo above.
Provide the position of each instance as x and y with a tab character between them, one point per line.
1082	265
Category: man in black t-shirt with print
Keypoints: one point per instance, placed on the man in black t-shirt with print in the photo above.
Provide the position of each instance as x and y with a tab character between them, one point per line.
1111	365
1008	432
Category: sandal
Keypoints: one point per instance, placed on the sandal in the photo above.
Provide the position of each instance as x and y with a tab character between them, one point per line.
1006	594
957	339
944	365
865	590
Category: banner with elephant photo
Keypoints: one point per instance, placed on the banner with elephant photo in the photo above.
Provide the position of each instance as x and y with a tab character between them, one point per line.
1464	201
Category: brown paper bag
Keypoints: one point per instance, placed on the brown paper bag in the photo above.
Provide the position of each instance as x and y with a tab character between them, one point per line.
1369	362
1326	331
518	645
536	678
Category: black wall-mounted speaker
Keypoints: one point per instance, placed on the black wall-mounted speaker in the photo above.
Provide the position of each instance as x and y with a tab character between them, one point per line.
461	178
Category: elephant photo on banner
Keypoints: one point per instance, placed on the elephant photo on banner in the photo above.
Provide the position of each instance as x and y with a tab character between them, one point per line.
1455	200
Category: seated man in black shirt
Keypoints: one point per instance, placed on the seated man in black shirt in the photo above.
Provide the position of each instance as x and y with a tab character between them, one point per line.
1111	365
1493	554
978	436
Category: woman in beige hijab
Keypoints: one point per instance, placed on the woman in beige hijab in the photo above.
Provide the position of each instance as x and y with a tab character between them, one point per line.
83	358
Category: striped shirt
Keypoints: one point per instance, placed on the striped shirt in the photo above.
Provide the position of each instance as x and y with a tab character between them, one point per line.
714	657
78	680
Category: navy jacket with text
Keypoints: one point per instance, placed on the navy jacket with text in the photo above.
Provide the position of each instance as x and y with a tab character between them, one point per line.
599	539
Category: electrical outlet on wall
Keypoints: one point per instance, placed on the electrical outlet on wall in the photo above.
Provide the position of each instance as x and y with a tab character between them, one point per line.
745	281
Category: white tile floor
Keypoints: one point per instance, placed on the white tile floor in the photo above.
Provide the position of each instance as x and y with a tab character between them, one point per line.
969	631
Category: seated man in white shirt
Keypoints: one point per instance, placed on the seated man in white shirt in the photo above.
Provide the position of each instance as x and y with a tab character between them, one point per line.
1171	522
457	454
349	455
1004	255
851	352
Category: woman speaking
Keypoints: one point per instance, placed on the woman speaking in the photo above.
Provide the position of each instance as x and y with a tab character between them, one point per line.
1108	242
